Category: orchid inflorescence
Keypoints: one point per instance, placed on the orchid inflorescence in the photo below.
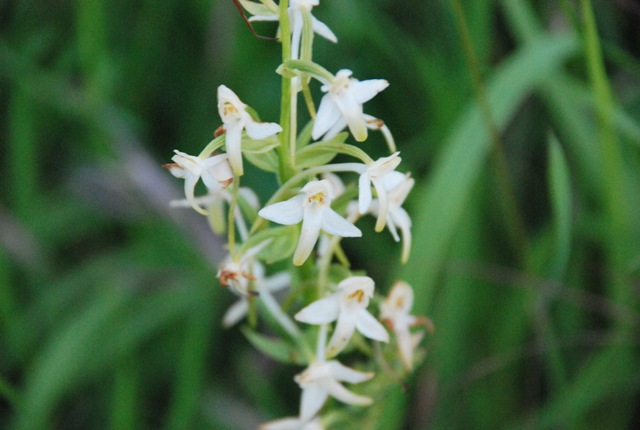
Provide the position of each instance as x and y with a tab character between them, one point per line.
312	211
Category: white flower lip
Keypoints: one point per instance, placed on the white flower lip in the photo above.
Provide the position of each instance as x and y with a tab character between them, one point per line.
395	312
214	171
236	118
349	307
313	207
342	105
322	379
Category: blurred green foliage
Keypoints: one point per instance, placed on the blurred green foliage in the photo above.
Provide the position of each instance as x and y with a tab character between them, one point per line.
519	119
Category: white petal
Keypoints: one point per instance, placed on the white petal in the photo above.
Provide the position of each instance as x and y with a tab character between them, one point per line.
225	95
321	311
337	128
383	206
364	193
312	399
347	374
235	313
322	29
278	281
334	224
312	220
342	334
371	327
363	91
328	114
233	138
352	113
338	391
288	212
190	181
261	130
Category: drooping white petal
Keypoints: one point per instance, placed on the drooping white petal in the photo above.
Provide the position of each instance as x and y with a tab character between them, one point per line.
311	225
364	193
328	114
233	142
371	327
335	224
338	391
288	212
261	130
312	398
363	91
347	374
322	29
352	113
235	313
320	312
345	328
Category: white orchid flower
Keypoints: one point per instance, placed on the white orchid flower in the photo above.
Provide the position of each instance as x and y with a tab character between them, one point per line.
398	188
262	284
313	207
293	423
296	21
214	171
379	174
236	118
342	105
349	307
322	379
395	312
238	273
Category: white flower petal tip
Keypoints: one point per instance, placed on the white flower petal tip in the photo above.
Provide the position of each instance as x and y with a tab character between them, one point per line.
322	379
395	312
214	171
348	307
342	105
313	207
235	118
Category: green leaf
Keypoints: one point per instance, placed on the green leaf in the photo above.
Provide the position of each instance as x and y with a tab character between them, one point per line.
283	241
322	152
276	348
442	202
267	161
560	195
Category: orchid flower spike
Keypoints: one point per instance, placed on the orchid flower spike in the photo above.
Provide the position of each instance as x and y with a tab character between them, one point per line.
395	312
297	9
214	171
342	105
349	307
313	207
236	118
322	379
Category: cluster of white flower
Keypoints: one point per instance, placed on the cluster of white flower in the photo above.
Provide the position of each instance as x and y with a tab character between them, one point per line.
309	185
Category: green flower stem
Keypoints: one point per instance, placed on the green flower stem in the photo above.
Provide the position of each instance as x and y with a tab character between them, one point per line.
231	239
286	154
212	146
